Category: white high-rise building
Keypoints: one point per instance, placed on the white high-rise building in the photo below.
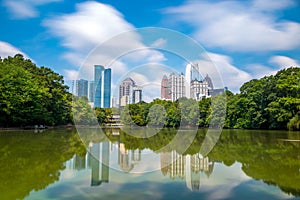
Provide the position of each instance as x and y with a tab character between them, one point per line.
177	85
192	72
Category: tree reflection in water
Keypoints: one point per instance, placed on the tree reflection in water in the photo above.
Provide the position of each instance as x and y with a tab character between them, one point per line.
31	161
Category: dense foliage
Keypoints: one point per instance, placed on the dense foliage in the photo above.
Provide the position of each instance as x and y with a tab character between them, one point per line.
31	95
186	112
272	102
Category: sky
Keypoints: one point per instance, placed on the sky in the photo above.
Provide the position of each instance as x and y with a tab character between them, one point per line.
243	39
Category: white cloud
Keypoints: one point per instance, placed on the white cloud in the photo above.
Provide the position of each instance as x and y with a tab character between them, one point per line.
240	26
92	35
223	72
159	43
91	24
22	9
270	5
277	63
283	61
71	74
7	49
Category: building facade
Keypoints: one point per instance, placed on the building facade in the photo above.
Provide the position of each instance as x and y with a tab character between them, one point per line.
165	88
199	89
192	72
137	94
177	86
98	70
102	86
80	88
125	91
91	91
107	88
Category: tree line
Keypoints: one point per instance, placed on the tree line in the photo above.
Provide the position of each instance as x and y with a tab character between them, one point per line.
37	95
272	102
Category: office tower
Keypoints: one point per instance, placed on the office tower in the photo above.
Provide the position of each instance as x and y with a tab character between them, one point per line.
107	88
98	85
136	94
165	88
209	81
192	72
177	85
91	91
102	86
125	91
82	88
73	87
199	89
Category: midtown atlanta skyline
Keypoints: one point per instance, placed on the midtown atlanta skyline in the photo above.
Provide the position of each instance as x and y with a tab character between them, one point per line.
244	39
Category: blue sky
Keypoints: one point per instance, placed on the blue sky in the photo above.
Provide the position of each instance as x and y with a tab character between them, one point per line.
245	39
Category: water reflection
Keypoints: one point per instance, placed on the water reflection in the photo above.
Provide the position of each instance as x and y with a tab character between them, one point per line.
34	161
186	166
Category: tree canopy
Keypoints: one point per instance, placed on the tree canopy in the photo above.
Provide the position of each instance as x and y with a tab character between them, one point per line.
32	95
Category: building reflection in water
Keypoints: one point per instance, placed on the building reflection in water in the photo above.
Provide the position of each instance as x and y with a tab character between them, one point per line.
128	158
186	166
100	170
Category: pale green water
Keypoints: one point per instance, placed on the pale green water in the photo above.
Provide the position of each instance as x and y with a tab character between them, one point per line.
54	164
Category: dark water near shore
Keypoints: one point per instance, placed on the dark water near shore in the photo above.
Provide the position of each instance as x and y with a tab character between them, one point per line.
55	164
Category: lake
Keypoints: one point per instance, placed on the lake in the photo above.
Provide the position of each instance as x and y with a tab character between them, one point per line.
109	164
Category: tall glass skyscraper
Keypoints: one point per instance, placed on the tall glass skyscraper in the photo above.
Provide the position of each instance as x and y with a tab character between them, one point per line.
91	91
98	85
107	88
102	93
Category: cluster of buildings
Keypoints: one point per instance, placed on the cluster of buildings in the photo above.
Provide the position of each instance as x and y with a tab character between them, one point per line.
190	85
173	87
98	91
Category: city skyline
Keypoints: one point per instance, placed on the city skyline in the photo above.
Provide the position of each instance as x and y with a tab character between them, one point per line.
172	87
264	40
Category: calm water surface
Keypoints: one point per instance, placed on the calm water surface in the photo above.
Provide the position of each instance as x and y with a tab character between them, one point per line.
55	164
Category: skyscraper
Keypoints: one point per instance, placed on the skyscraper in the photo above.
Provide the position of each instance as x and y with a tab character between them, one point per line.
107	88
177	85
209	81
192	72
91	91
165	88
136	94
98	70
125	91
80	87
102	77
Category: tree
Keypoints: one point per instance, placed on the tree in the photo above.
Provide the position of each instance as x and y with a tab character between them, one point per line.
32	95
